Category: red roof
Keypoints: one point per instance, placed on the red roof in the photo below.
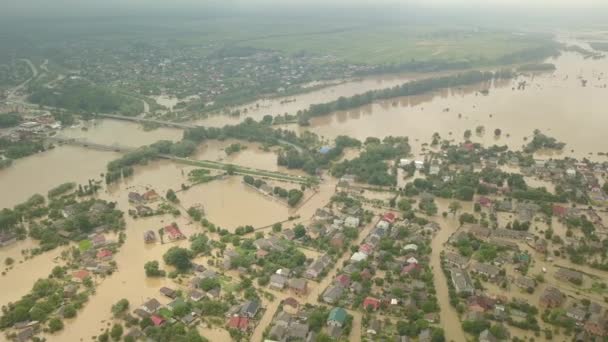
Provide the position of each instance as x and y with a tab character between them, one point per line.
389	217
261	253
468	146
173	231
149	195
82	274
558	210
409	268
104	253
366	248
157	320
238	322
371	302
486	202
343	280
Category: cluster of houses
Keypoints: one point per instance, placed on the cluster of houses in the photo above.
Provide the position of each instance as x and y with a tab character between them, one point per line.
291	323
171	231
141	202
282	279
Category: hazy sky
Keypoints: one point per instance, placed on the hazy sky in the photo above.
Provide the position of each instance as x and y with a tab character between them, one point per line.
97	7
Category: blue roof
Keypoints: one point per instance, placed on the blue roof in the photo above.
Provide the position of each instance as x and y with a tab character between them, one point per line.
325	149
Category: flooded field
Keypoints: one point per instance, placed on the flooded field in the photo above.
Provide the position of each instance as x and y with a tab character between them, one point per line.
120	133
43	171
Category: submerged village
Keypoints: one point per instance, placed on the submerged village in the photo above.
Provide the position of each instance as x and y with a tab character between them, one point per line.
266	230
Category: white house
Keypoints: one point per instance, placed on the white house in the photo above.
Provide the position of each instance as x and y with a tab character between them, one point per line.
358	256
351	222
404	162
412	260
410	247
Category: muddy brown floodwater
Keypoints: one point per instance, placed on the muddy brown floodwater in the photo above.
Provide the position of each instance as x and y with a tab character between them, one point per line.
120	133
43	171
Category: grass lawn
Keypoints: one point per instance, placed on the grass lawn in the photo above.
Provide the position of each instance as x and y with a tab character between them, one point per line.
85	245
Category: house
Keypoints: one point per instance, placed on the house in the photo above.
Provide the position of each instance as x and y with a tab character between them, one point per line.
337	240
487	270
298	286
383	224
596	325
374	327
173	232
317	267
479	232
290	305
456	260
560	211
410	247
351	222
25	335
461	281
135	198
342	280
70	290
434	169
167	292
188	319
143	210
7	239
540	246
238	323
525	283
572	276
486	336
277	281
150	196
425	336
250	309
366	249
196	295
576	313
358	256
389	217
371	303
151	306
99	240
149	236
80	276
337	317
551	298
412	260
332	294
298	331
104	254
484	202
177	302
408	269
157	320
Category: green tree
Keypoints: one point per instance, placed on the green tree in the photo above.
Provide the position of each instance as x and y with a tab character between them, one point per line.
152	269
179	258
55	324
454	207
120	307
116	332
171	196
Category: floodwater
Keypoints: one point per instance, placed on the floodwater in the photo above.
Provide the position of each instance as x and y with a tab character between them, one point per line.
120	133
291	104
43	171
556	103
24	272
253	156
229	203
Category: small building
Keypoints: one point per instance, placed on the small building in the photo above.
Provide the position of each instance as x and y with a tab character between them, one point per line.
135	198
250	309
461	281
487	270
358	256
298	286
572	276
80	276
277	281
374	327
332	294
551	298
151	306
173	232
337	317
149	236
167	292
456	260
351	222
371	303
239	323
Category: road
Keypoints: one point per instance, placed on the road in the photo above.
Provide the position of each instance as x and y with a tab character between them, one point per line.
12	92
